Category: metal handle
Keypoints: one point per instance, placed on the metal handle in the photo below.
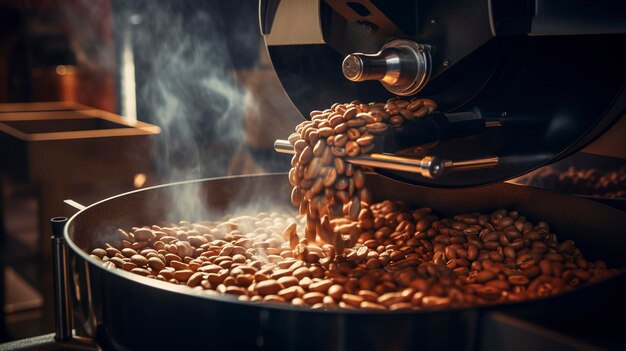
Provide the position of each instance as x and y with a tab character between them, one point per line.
74	204
429	166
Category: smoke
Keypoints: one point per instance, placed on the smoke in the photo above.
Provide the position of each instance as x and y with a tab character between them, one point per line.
190	67
185	85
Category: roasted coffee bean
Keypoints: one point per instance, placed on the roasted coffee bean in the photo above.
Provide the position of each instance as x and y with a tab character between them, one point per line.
128	252
156	263
321	286
267	287
415	104
183	275
330	178
143	234
485	276
352	149
489	293
141	271
350	113
139	260
353	134
518	280
99	252
365	140
194	279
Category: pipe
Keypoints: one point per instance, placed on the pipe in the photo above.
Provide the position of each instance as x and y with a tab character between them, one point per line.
63	323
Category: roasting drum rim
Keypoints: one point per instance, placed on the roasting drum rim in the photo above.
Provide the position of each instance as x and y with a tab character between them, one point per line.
182	289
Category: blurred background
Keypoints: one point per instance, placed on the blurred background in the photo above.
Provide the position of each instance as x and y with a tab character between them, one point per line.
99	97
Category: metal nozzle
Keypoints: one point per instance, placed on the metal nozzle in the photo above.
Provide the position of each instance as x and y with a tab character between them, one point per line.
402	66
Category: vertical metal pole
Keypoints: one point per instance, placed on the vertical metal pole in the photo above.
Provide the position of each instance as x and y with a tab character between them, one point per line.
3	261
63	326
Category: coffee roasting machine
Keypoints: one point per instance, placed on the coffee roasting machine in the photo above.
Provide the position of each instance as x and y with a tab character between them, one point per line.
519	84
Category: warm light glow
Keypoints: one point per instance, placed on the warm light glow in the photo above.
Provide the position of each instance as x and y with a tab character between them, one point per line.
129	98
61	70
139	180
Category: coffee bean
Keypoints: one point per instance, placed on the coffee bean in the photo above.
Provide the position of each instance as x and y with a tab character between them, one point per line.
313	169
156	263
291	292
352	149
485	276
518	280
139	260
353	134
415	104
312	298
330	178
435	301
350	113
365	140
352	300
488	293
376	128
99	252
366	305
267	287
143	234
141	271
183	275
195	279
128	252
321	286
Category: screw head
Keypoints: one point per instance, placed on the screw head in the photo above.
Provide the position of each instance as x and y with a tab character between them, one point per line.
352	67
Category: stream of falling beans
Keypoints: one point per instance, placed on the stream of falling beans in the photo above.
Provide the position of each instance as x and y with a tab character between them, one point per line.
330	191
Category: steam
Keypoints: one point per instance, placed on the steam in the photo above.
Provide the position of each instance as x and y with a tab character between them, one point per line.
189	91
176	62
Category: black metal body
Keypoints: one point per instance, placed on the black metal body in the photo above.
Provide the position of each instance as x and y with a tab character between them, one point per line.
124	311
429	131
553	70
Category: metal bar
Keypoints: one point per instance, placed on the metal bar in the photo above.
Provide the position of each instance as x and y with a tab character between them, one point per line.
467	165
284	147
63	323
429	167
391	162
3	260
74	204
421	166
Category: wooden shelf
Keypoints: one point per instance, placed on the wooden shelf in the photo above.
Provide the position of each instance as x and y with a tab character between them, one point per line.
65	121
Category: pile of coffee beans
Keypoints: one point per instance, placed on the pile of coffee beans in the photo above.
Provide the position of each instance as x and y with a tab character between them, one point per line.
342	251
582	181
325	185
406	259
